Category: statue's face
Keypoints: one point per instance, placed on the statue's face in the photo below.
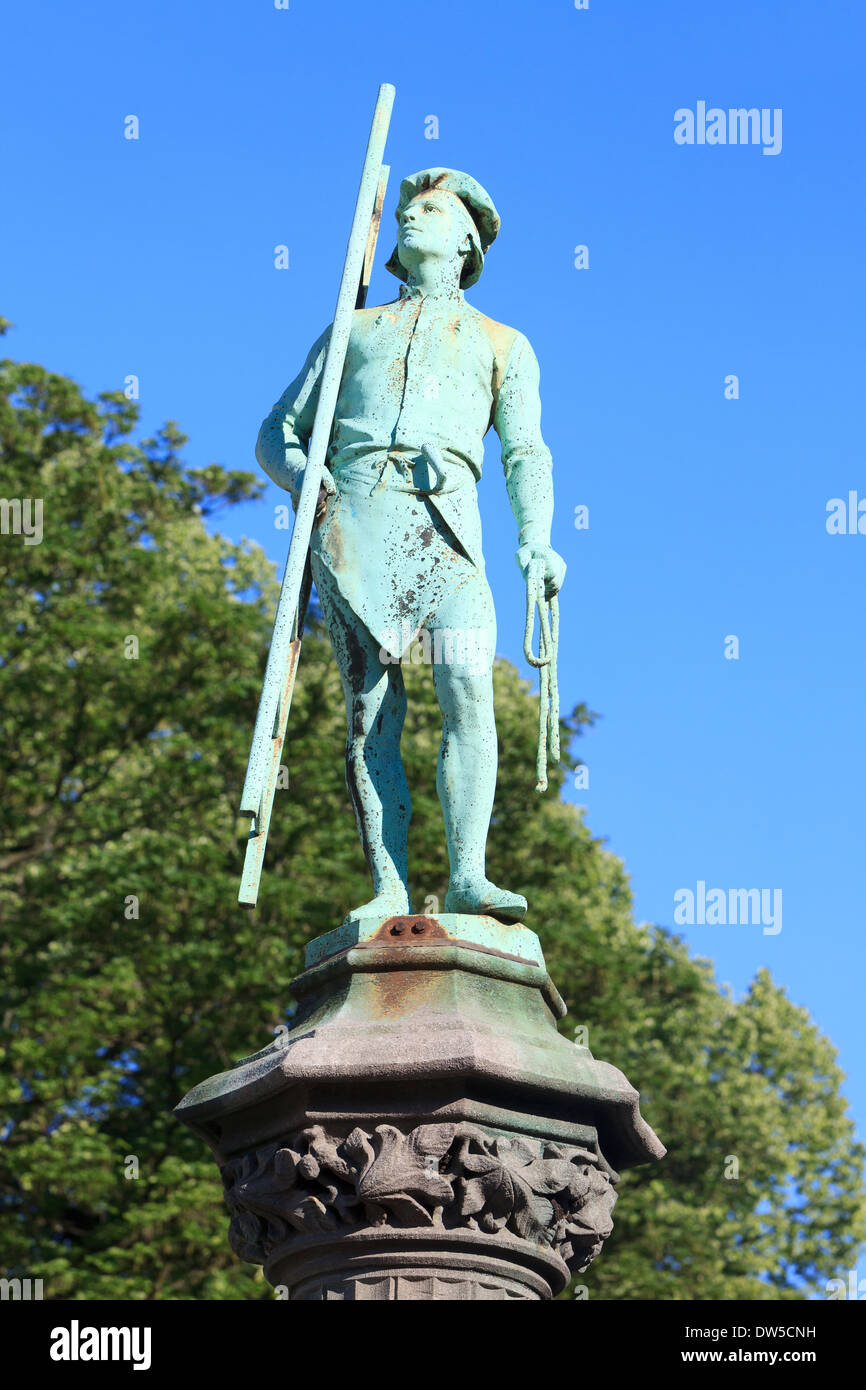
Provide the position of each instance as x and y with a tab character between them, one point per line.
434	223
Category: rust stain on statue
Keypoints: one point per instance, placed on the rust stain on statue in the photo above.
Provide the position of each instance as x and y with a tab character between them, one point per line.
400	991
335	545
409	930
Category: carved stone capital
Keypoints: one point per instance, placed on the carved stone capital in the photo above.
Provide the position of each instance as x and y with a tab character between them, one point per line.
502	1192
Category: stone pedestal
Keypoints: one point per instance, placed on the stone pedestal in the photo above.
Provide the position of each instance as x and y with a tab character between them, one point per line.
422	1131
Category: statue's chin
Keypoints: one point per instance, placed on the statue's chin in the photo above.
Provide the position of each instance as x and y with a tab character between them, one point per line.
411	257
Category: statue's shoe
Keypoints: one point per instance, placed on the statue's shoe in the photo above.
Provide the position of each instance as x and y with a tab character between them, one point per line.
394	903
485	899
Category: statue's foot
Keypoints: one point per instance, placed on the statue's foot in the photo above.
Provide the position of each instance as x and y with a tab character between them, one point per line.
393	902
483	898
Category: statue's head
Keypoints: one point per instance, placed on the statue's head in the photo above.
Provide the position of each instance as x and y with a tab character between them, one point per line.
445	215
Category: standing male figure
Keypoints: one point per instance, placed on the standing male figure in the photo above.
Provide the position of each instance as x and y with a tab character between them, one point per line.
397	544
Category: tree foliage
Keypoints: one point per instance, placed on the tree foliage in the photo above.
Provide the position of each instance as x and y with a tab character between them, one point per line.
130	664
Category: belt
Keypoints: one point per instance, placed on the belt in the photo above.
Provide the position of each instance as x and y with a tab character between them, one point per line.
431	456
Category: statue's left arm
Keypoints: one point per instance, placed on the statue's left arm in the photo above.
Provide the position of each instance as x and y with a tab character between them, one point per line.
527	462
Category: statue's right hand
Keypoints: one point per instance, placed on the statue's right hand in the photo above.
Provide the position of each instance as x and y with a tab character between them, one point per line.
327	488
321	505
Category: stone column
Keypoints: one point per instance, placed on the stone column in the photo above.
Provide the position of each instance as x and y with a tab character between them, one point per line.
422	1131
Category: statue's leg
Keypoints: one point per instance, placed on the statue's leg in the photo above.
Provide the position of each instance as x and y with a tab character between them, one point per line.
463	648
375	711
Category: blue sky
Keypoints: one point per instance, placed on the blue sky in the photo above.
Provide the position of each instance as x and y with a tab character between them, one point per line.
155	257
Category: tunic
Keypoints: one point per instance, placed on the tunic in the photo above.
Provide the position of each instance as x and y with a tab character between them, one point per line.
398	540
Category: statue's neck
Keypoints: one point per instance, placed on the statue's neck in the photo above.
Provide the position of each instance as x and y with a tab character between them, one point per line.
435	279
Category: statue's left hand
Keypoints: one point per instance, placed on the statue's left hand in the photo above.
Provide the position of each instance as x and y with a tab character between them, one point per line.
554	566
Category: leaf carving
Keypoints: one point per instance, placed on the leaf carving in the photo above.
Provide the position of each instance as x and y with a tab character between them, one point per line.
403	1174
526	1187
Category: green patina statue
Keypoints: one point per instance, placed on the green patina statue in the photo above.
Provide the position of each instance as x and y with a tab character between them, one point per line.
424	1049
396	547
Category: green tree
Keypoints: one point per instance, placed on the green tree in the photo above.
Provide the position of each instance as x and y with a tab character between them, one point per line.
130	666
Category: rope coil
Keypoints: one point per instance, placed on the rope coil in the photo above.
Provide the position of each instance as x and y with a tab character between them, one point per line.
545	664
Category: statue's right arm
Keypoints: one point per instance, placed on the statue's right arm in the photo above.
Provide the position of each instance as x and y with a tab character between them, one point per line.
281	447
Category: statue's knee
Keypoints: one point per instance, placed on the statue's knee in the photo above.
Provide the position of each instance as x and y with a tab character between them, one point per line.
466	696
363	718
377	718
395	707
